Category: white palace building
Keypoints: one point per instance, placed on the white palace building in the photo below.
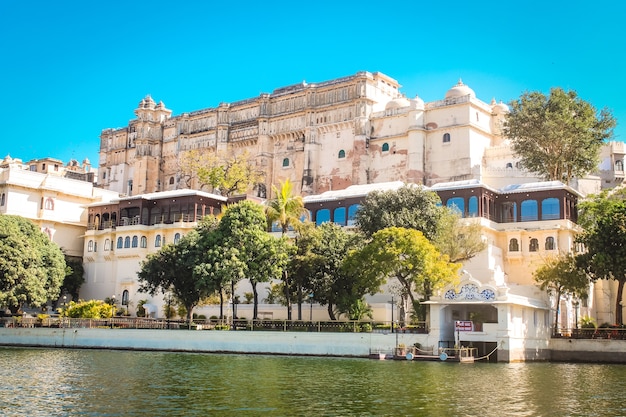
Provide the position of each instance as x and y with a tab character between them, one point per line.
336	141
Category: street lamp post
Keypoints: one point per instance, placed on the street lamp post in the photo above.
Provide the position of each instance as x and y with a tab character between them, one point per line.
311	307
392	304
63	312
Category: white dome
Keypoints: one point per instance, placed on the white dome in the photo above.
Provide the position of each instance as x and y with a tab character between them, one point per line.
397	103
417	103
500	108
460	90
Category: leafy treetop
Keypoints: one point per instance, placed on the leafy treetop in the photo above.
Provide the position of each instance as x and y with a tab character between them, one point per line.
558	136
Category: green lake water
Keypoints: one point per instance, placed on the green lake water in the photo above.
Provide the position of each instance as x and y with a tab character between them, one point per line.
60	382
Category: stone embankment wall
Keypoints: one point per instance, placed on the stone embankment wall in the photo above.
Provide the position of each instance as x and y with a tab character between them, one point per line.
588	350
260	342
277	343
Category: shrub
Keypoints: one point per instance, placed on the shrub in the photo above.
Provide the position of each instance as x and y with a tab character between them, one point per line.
92	309
587	322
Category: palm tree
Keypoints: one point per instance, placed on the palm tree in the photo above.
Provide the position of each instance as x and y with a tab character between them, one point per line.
286	209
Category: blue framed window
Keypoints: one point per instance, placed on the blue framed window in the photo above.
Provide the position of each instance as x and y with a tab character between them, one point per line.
339	216
322	216
385	147
550	209
157	241
457	204
342	154
352	214
120	243
286	162
529	210
135	241
472	207
127	242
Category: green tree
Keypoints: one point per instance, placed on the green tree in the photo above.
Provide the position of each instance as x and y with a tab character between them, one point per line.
225	174
322	269
266	259
411	207
460	239
172	270
406	255
560	276
286	209
74	276
559	136
32	267
604	240
241	248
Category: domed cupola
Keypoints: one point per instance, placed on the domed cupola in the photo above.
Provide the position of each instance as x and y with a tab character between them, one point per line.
460	90
417	103
397	103
499	108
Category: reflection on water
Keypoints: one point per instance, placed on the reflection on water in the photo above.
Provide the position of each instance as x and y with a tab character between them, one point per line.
46	382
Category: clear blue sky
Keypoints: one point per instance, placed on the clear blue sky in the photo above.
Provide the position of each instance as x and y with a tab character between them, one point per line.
72	68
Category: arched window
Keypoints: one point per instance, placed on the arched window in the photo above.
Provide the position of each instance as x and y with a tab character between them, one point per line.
135	241
261	191
385	147
549	243
550	209
107	244
509	165
171	180
120	242
90	246
95	246
534	245
513	245
127	242
529	210
472	206
176	238
144	242
446	138
342	154
322	216
339	216
457	204
352	214
49	204
125	298
286	162
619	165
157	241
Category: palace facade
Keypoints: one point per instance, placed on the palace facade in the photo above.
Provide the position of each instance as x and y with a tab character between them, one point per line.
322	136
